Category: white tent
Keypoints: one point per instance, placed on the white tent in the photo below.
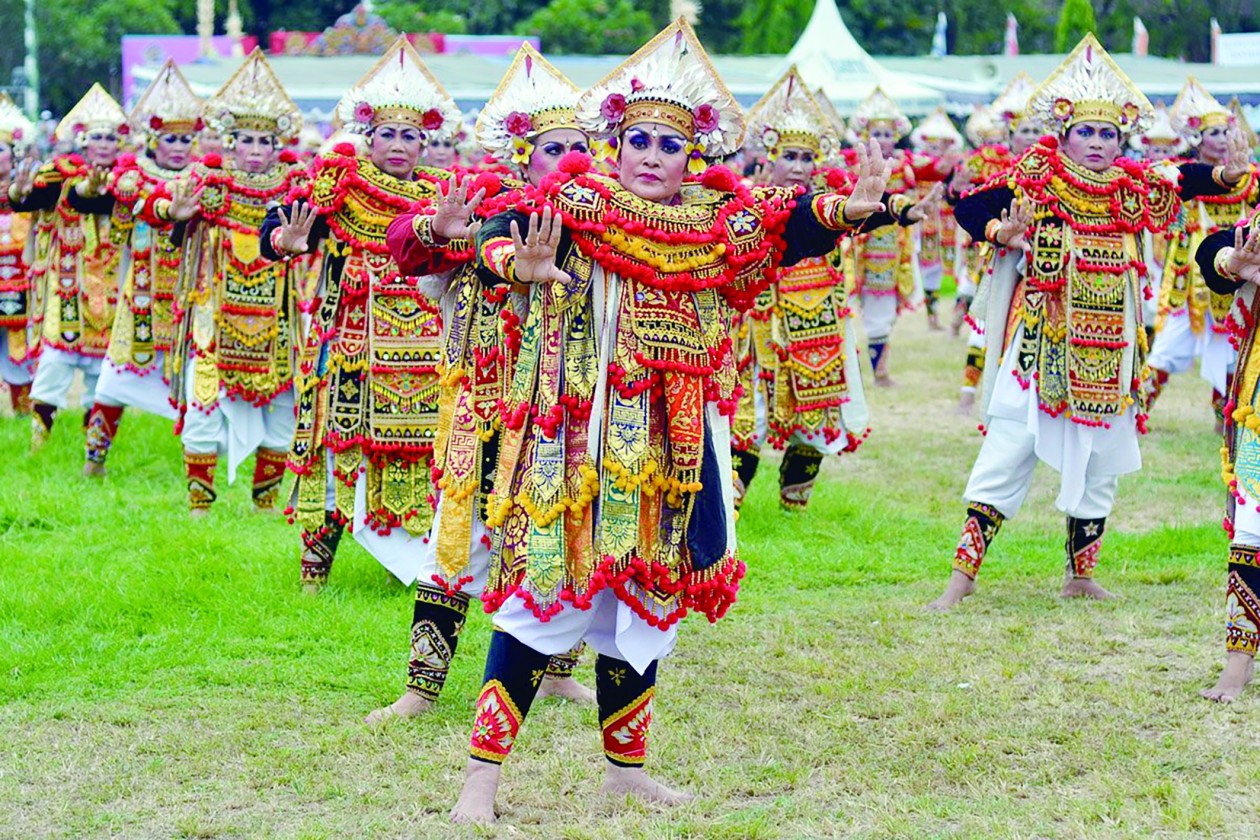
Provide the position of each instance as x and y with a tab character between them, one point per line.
828	56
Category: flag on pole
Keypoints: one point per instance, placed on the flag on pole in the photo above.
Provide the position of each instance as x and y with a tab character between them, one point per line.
1141	38
939	47
1216	34
1010	45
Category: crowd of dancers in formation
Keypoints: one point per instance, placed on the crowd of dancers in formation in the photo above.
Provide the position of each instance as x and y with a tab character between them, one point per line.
542	373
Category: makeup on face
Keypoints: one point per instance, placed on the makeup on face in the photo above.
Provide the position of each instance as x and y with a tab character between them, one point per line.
396	148
549	148
1093	145
653	161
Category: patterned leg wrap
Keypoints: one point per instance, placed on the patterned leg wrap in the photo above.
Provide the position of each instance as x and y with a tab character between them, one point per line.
1084	542
1155	386
929	303
876	351
982	525
797	474
435	627
200	472
745	464
42	416
562	665
625	709
974	368
319	549
268	473
102	426
1218	406
1242	606
20	399
513	674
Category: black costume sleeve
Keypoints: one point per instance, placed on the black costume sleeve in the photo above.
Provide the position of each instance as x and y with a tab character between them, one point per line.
806	236
1197	180
272	221
96	205
1206	258
40	198
978	209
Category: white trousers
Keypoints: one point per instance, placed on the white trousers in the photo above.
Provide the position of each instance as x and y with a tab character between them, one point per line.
11	372
55	375
1002	474
879	314
147	391
237	429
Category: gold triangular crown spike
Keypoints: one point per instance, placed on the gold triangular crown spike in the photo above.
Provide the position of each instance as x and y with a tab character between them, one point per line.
876	109
838	125
168	105
1195	109
1012	103
16	131
400	89
532	98
668	81
1244	125
253	99
1090	87
1160	133
789	115
96	110
936	126
984	126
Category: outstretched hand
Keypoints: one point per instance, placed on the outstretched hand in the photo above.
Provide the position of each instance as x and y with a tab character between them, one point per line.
1237	157
873	172
24	177
1013	230
536	252
295	231
94	184
928	204
1243	260
453	218
185	200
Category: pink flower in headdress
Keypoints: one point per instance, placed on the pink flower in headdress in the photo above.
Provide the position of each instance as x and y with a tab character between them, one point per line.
363	112
432	119
1194	122
613	108
518	124
636	85
155	122
123	129
706	118
17	134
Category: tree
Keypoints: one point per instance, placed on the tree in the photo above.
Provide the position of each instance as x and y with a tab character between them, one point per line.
772	26
405	16
1076	20
590	26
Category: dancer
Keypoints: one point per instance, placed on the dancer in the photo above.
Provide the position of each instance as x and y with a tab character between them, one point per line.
19	299
612	506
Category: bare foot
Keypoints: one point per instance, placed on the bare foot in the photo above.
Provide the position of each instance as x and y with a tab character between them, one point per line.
198	513
960	586
476	798
934	323
410	705
1084	588
885	381
1239	669
566	688
1218	428
91	469
633	781
966	403
311	587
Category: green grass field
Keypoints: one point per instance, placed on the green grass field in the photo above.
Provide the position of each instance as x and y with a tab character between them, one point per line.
162	678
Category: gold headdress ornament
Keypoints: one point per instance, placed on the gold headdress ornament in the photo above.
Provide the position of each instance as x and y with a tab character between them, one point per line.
400	89
1011	104
1161	133
168	105
16	131
984	126
838	125
96	110
254	100
1195	109
877	109
789	115
1090	86
936	126
669	81
533	97
1235	108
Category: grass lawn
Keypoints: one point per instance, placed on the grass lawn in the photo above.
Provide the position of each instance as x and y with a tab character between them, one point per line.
161	678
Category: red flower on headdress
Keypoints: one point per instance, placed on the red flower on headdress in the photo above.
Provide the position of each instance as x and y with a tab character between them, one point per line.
1194	122
123	129
613	108
199	124
17	134
432	120
636	85
155	122
363	112
706	118
518	124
